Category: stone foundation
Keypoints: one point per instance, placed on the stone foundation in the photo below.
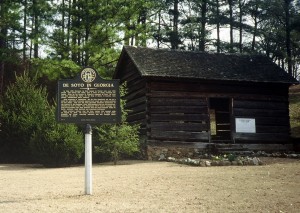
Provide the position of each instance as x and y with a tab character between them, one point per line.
161	153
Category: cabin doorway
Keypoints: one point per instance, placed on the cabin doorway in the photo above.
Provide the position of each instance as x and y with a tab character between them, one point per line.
220	125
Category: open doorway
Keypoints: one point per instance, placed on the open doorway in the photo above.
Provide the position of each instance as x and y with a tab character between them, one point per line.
220	125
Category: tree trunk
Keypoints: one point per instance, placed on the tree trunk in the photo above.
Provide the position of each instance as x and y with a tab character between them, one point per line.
24	30
87	34
31	41
218	26
230	2
74	34
35	30
63	53
254	28
241	27
79	34
174	37
288	35
140	39
2	69
203	26
68	28
2	55
3	35
159	29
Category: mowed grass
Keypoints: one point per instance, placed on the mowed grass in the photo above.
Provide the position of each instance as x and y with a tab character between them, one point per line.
295	110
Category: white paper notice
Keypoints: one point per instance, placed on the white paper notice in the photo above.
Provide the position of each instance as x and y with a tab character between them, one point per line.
245	125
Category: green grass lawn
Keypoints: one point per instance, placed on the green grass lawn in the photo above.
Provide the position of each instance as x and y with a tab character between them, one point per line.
295	110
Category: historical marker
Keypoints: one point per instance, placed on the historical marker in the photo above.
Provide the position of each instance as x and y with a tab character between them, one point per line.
88	99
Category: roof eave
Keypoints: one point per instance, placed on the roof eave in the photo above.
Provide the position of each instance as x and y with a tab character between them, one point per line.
208	79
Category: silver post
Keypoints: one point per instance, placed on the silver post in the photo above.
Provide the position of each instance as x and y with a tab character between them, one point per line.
88	160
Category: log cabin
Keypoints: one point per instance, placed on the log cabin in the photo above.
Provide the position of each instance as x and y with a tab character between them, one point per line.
193	102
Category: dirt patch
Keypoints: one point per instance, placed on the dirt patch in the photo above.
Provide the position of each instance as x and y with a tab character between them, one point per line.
144	186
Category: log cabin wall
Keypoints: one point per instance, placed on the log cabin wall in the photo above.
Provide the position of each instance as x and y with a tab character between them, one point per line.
270	109
135	97
178	112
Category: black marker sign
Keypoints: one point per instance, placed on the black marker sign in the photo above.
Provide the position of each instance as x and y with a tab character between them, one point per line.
88	99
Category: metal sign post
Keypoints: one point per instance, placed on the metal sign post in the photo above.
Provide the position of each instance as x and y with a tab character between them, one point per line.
88	99
88	160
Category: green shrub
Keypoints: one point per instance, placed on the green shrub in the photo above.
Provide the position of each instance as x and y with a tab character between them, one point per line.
57	145
114	140
29	132
23	109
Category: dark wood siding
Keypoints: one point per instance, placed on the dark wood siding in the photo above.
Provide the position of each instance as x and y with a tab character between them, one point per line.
136	95
177	115
271	118
178	111
271	114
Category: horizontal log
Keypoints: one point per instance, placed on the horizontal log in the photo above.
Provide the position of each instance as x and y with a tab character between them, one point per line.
245	104
264	121
260	97
273	129
179	117
138	84
177	86
221	88
235	95
136	94
179	135
178	101
179	109
260	112
174	94
132	79
136	109
141	122
135	102
260	137
136	117
167	126
184	144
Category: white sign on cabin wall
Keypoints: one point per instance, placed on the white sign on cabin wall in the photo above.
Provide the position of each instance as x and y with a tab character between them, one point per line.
245	125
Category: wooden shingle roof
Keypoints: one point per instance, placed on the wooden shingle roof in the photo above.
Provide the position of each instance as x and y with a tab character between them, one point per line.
207	66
